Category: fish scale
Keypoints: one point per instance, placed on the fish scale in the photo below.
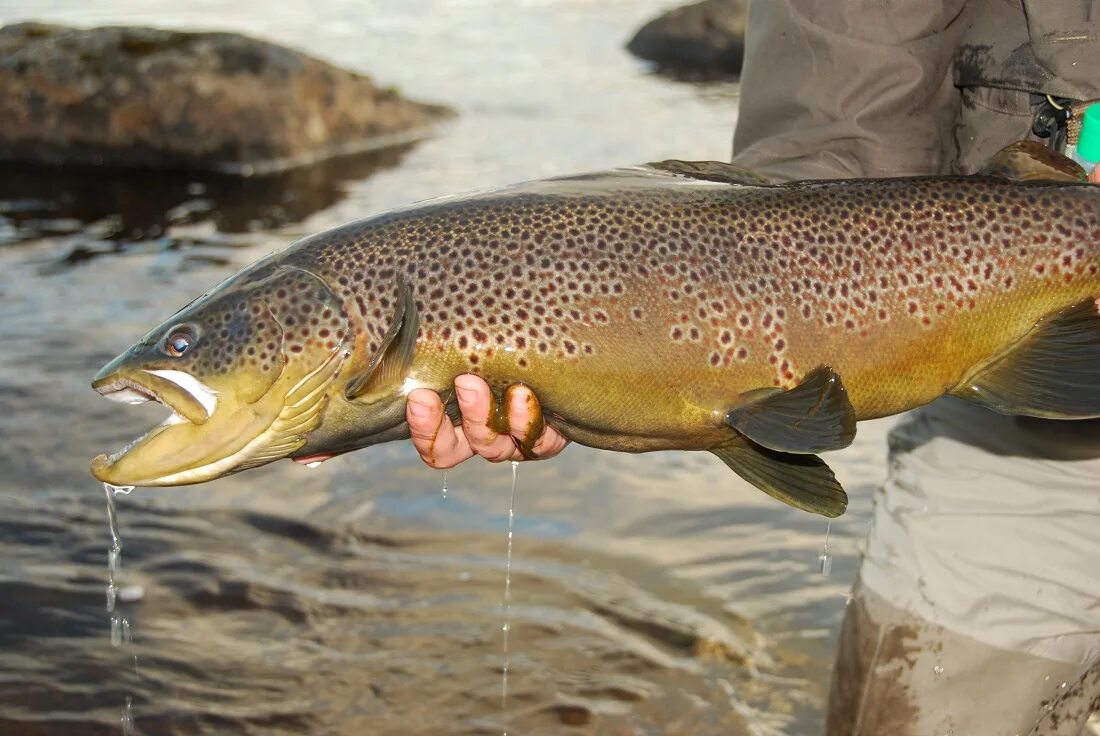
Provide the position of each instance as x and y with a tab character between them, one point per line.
675	306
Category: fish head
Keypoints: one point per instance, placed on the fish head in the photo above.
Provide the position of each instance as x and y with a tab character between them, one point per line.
246	370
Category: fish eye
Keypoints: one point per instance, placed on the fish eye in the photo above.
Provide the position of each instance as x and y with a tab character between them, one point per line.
179	340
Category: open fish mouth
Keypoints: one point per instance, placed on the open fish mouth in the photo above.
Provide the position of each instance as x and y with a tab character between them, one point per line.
126	391
189	401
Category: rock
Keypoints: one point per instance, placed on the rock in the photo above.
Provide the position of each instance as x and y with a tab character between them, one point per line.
702	40
147	97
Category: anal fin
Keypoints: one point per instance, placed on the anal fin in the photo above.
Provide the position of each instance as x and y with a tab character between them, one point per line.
802	481
814	416
1053	372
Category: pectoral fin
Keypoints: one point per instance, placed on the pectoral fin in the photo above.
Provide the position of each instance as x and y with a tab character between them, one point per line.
814	416
390	365
1053	372
802	481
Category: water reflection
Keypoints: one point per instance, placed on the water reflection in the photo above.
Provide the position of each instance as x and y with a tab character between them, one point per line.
103	208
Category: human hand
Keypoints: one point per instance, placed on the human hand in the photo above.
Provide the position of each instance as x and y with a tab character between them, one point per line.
1094	175
444	445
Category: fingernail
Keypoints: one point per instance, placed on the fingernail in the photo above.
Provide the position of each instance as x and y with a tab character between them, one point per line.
420	411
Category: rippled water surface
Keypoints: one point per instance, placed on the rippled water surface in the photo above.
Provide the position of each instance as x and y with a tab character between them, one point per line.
655	594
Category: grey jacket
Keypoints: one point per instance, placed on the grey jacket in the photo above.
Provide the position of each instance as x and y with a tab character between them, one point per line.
842	88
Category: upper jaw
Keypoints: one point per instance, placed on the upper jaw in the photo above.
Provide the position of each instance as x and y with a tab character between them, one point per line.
141	386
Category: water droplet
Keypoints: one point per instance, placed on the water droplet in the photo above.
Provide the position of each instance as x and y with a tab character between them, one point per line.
127	718
464	576
116	630
938	670
825	560
131	593
443	491
314	464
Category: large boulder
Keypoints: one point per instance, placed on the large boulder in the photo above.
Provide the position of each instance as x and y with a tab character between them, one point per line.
702	40
169	99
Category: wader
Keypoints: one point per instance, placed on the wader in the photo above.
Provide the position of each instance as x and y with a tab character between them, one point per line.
977	610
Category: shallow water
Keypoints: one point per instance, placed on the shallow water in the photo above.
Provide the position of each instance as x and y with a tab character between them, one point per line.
649	594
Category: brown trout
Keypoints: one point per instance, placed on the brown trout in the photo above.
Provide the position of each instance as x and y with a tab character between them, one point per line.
678	305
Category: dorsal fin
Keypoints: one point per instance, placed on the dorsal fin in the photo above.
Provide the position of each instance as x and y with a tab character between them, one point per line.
711	171
1032	161
390	365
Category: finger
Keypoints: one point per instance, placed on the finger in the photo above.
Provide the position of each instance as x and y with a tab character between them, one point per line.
550	443
475	403
525	417
1094	175
437	440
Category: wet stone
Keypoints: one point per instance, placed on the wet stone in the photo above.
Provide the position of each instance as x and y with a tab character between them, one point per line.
698	41
572	714
147	97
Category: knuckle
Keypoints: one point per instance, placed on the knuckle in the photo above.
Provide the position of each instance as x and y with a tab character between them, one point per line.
479	434
429	460
421	435
496	454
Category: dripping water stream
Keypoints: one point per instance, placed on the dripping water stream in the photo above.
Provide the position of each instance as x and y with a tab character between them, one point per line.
120	627
507	626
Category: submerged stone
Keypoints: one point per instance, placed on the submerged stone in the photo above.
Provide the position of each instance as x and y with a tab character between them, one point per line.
147	97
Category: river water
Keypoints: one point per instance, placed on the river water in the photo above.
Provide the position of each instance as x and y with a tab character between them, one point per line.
653	594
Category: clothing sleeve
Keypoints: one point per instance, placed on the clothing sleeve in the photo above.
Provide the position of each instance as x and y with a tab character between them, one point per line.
848	88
